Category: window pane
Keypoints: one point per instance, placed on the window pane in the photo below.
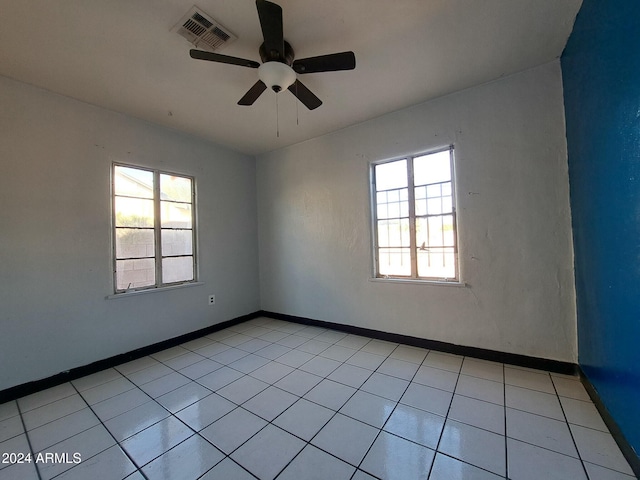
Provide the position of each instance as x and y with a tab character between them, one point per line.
394	261
437	263
420	194
434	206
448	232
393	204
434	190
134	243
133	182
432	168
135	273
177	242
421	233
177	269
173	188
134	212
435	236
175	215
435	232
394	233
391	175
447	205
439	199
394	210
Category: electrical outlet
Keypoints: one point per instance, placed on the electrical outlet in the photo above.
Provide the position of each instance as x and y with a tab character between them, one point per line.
212	299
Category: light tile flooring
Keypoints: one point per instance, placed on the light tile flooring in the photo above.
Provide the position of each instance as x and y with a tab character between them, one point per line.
272	399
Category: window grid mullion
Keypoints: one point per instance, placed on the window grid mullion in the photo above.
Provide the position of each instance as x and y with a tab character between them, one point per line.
114	234
456	258
376	222
412	219
194	246
157	225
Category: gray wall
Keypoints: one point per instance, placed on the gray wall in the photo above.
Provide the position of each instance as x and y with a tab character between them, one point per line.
514	222
55	238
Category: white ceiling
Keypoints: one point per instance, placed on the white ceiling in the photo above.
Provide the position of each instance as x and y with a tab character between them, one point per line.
122	55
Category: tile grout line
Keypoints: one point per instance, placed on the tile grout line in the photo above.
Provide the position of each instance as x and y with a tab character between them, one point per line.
506	443
281	413
569	428
67	438
335	412
26	434
307	442
171	414
48	423
557	396
381	429
446	417
138	468
226	457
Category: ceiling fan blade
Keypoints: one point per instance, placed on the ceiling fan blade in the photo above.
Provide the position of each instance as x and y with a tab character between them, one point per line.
253	93
272	30
305	95
216	57
326	63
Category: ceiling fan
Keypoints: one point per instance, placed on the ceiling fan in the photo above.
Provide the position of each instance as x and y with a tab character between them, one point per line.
279	70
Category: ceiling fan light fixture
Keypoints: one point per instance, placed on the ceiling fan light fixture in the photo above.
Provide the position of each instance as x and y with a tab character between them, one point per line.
276	75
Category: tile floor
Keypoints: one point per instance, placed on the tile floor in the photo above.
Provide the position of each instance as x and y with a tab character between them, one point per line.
272	399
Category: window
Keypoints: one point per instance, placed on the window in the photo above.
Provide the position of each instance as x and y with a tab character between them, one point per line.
414	218
154	236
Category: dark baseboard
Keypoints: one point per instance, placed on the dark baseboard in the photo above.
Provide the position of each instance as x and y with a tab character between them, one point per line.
625	447
18	391
481	353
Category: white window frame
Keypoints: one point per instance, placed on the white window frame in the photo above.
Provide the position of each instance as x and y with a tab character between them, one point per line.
157	229
413	277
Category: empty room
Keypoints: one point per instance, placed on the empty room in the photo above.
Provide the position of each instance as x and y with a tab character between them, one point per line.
364	239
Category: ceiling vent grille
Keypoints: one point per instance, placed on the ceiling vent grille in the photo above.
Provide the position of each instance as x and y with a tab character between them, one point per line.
203	31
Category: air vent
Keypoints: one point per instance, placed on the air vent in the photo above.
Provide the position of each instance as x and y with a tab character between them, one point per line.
203	31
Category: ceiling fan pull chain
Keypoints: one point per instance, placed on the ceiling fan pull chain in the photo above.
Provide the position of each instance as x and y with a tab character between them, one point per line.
277	118
297	121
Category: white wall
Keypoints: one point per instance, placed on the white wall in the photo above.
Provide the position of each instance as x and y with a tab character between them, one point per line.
514	222
55	238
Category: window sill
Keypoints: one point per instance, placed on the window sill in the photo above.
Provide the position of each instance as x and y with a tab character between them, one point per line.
153	290
418	282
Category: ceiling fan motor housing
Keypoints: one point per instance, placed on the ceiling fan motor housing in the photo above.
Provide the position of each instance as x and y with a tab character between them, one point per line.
274	56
